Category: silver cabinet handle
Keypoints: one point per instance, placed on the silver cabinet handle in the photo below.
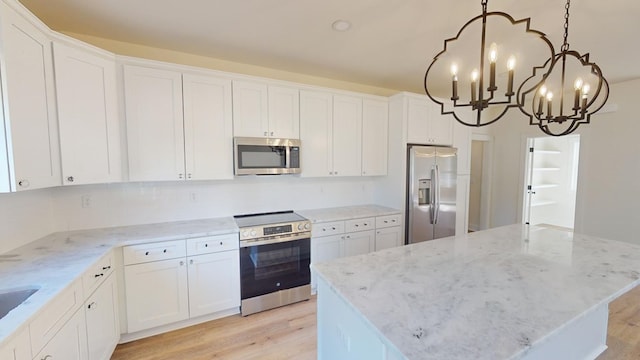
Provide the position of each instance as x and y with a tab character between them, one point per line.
189	176
92	305
272	133
24	183
221	243
180	176
70	178
191	261
265	133
47	357
106	267
98	275
181	263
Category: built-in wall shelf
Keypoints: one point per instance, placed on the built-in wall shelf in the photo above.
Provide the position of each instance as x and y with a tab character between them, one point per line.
546	168
544	186
542	202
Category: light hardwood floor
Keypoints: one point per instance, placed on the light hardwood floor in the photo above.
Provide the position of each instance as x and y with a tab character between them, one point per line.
290	333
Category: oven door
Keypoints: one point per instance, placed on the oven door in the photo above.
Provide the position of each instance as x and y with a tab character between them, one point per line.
272	267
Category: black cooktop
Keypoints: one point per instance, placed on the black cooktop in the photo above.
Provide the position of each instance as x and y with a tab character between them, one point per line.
279	217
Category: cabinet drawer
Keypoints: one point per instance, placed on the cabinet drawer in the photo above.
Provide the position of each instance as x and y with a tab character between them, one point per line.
54	315
211	244
99	271
359	224
328	228
136	254
387	221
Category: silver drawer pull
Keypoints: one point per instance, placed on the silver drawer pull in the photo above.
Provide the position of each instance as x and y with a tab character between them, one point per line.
106	267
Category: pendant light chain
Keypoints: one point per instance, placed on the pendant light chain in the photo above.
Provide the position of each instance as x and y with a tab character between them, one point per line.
484	5
565	45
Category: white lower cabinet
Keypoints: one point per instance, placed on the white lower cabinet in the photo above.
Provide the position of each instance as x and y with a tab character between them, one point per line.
17	349
388	237
214	282
358	243
156	293
103	329
69	343
171	281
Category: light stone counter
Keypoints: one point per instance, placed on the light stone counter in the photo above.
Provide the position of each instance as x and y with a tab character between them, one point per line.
503	293
55	261
346	213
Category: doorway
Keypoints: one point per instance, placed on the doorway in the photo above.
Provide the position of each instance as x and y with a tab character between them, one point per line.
551	179
480	183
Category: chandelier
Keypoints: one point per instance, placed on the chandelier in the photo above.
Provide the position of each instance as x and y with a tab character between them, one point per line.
481	85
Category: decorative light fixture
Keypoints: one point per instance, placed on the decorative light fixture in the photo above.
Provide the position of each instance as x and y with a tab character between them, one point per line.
580	87
535	97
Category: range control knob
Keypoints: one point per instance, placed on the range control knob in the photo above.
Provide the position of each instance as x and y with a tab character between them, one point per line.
300	226
245	234
307	226
253	233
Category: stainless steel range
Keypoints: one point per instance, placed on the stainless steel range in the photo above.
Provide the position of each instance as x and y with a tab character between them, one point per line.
275	252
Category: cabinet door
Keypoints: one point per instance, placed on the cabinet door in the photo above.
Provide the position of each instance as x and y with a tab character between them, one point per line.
284	112
70	343
440	126
417	121
214	282
357	243
316	127
375	129
388	238
17	349
324	249
30	147
155	135
347	135
250	109
87	115
208	127
156	293
103	329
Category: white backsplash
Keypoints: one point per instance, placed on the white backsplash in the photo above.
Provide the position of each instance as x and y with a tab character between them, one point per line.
144	203
24	217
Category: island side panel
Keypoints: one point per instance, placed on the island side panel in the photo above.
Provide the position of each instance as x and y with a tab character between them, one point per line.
343	334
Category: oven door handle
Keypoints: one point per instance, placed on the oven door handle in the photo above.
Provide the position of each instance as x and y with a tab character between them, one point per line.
257	242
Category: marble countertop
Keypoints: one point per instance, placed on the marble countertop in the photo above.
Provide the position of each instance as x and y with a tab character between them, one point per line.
487	295
346	213
53	262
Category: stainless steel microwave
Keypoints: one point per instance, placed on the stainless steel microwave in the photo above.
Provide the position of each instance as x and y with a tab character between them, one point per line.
265	156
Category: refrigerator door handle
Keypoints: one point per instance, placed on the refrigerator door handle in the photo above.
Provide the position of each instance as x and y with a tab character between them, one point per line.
432	196
435	180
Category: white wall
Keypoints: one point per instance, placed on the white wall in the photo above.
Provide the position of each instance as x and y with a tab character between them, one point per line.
24	217
144	203
607	199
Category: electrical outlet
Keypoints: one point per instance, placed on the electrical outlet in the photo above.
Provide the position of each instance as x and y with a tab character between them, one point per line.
86	201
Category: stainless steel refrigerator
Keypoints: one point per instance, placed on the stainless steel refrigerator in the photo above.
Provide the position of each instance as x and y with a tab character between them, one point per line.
431	193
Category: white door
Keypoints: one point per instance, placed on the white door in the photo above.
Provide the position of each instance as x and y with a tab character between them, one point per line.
417	121
156	293
551	177
440	130
103	329
284	112
155	138
70	342
87	116
250	109
316	127
347	135
357	243
214	282
28	94
375	130
388	237
208	127
324	249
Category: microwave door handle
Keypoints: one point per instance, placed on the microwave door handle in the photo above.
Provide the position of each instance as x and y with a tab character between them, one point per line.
287	157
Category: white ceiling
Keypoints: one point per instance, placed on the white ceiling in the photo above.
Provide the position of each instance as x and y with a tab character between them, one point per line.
390	44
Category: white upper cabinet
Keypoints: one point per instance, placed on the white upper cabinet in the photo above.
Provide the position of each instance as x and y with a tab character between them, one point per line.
347	135
30	155
208	127
155	137
375	130
425	124
261	110
316	128
87	115
178	126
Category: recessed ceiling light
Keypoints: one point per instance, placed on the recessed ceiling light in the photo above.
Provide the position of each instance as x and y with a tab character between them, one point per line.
341	25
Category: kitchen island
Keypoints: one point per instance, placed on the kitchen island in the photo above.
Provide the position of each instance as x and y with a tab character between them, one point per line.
515	292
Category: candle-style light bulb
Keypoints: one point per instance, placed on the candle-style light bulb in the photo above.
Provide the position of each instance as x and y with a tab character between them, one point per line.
577	86
585	89
549	99
511	64
585	96
474	78
493	56
454	82
543	92
493	53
